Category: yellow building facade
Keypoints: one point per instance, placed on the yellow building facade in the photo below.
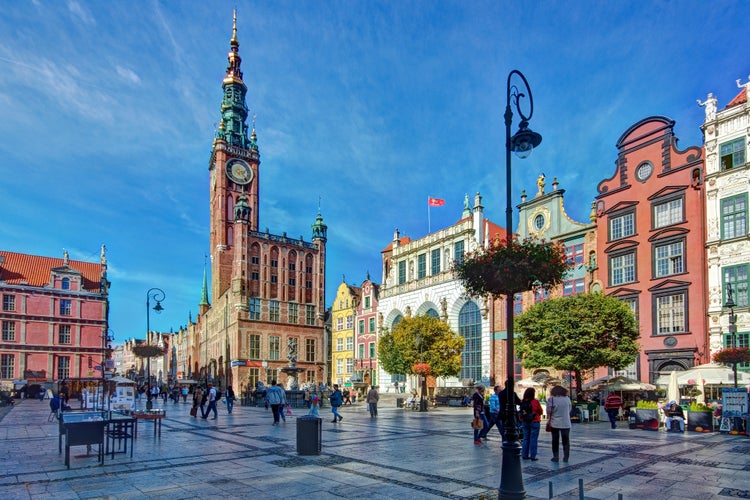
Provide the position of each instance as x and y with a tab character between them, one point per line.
343	312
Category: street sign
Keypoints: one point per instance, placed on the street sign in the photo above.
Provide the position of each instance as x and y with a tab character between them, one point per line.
98	368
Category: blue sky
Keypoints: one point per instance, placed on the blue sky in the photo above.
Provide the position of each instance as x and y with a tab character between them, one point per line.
108	109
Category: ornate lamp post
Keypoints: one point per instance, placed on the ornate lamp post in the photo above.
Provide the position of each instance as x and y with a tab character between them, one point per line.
521	143
729	304
422	378
158	295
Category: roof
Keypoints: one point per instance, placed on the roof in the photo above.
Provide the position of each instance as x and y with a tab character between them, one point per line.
401	241
33	270
740	98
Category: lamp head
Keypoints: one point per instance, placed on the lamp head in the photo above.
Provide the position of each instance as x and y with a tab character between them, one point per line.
524	141
158	308
729	304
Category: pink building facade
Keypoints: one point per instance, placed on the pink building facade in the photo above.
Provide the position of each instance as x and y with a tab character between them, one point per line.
53	317
366	334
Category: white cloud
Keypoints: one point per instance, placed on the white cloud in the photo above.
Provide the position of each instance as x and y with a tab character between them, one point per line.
81	12
128	75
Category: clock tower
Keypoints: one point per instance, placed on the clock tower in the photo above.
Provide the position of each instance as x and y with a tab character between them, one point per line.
234	168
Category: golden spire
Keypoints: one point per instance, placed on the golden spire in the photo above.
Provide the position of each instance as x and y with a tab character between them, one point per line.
234	41
234	73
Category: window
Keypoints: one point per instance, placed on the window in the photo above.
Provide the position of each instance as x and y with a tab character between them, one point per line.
360	351
668	213
273	347
7	366
421	265
574	253
670	314
274	278
65	283
367	302
253	375
458	252
63	334
371	345
349	322
632	302
402	272
622	269
339	324
308	269
470	328
517	304
292	282
668	259
308	284
9	302
361	326
9	332
349	343
540	295
254	308
736	277
573	287
310	315
255	260
349	365
372	325
253	346
732	154
734	216
273	310
339	344
63	367
622	226
274	263
65	307
255	276
435	262
339	368
310	374
310	350
293	313
741	340
292	266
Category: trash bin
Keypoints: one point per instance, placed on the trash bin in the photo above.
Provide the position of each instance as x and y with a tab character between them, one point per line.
399	402
309	434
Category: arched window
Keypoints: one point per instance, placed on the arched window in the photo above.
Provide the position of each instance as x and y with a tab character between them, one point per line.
433	313
396	321
470	328
65	284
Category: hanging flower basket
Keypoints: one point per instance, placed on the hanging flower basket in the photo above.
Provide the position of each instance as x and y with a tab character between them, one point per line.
732	355
422	369
507	268
148	351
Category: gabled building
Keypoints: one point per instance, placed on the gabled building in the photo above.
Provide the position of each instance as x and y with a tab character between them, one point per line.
366	336
727	134
343	311
651	244
54	318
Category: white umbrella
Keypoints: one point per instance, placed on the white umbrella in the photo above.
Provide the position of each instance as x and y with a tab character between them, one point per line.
712	374
673	389
700	398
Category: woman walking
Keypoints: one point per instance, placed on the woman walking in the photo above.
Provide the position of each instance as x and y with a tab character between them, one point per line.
531	417
477	400
558	411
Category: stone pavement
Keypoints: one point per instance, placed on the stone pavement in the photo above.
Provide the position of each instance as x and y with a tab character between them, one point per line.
400	454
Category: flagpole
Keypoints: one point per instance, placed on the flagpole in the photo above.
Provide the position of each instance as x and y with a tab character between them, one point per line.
428	215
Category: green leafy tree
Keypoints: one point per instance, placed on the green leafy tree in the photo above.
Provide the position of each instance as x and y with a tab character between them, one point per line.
578	333
399	349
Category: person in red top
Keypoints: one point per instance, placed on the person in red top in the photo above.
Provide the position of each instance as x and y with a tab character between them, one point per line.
531	418
612	406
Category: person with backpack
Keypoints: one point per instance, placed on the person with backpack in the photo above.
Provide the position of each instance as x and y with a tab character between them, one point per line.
336	400
531	418
276	398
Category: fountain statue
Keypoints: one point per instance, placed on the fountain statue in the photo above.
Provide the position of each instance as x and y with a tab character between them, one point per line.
292	371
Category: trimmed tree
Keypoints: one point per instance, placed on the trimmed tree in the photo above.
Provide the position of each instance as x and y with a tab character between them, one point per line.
578	333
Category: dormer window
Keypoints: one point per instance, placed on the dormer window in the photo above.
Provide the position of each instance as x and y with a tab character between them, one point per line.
65	283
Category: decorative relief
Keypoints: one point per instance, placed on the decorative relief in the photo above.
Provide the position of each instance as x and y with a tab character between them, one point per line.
713	228
712	182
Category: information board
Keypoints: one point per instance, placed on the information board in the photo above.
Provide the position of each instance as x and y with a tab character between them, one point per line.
734	402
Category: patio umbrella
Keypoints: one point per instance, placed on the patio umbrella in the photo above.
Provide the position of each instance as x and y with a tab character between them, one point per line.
673	389
712	374
700	398
627	384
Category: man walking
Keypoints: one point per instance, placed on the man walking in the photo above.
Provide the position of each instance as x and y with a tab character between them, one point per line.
372	401
275	396
211	402
612	406
336	399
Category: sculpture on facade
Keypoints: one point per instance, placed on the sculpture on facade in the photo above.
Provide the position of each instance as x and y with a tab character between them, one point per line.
710	105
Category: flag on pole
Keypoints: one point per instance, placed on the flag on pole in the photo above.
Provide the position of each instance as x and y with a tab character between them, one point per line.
435	202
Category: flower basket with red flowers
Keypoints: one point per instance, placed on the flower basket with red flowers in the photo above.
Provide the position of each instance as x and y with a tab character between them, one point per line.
422	369
505	268
148	351
732	355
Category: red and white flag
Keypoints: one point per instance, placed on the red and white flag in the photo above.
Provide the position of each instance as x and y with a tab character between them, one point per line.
435	202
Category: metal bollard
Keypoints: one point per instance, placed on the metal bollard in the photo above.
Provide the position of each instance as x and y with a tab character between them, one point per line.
550	490
580	489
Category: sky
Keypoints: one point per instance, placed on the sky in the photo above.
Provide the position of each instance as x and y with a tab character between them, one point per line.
364	109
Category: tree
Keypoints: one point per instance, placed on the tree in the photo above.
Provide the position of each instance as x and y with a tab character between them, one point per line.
421	340
578	333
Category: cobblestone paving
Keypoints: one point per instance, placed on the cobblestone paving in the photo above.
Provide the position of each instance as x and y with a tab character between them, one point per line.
401	454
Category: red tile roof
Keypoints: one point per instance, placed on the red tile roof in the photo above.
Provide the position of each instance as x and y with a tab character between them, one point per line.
21	268
401	241
740	98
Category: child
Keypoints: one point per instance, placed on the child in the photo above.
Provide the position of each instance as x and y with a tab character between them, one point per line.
314	407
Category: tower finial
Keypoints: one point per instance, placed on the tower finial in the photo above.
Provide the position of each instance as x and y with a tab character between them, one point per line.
204	291
234	29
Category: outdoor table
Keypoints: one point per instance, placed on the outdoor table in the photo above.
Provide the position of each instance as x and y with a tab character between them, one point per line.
154	415
84	429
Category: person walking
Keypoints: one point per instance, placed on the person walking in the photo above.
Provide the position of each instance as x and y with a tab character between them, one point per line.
275	396
230	399
612	406
531	418
477	400
372	401
212	398
197	401
558	413
336	400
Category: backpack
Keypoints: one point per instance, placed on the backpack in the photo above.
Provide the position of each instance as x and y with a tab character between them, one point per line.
527	413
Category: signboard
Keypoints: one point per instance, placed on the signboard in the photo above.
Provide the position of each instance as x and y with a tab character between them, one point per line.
735	403
247	362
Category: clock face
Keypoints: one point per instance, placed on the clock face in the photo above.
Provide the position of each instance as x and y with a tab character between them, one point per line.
643	172
539	222
239	172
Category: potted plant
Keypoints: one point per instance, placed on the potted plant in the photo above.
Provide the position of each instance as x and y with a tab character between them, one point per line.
699	418
732	355
646	416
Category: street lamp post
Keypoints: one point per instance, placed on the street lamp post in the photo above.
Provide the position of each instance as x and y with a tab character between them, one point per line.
729	304
521	143
158	295
422	379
